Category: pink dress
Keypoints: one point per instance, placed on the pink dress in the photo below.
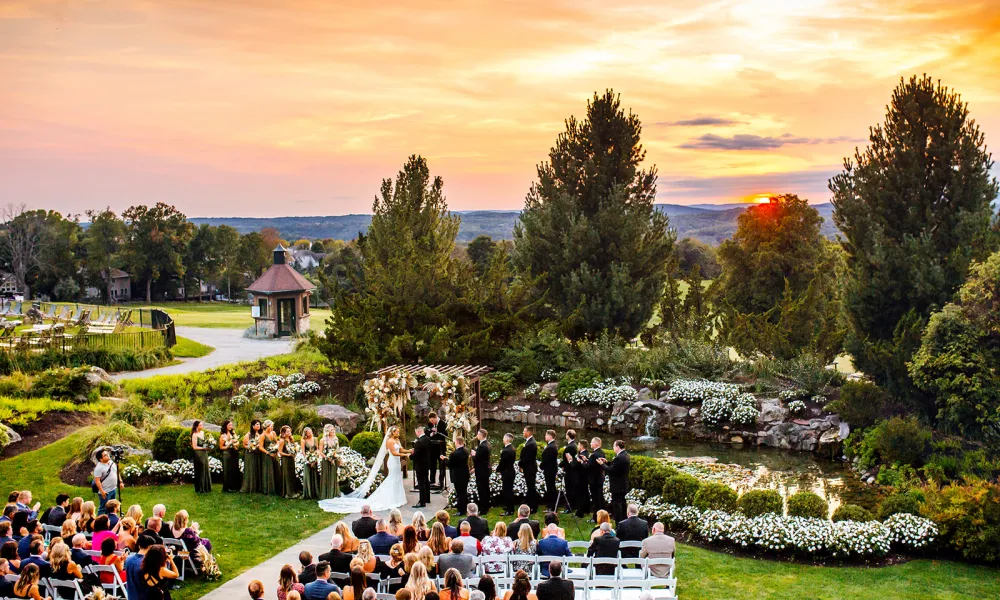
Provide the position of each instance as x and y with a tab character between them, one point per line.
95	543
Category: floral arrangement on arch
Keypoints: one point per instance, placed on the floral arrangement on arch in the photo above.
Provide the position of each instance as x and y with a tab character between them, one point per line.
387	395
453	391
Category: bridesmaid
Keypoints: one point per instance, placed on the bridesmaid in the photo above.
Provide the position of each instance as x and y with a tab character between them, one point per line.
286	452
329	483
251	459
310	474
270	480
202	476
229	443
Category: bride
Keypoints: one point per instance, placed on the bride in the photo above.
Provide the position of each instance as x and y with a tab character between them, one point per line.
390	494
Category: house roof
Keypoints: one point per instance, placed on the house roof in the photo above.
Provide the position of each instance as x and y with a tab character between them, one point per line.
280	278
118	274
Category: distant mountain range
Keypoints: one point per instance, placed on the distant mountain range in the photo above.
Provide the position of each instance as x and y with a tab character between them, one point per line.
710	223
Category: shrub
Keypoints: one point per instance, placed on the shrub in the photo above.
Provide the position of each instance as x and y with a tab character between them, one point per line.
535	351
681	489
496	385
344	442
367	443
852	512
716	496
655	477
182	443
807	504
576	379
116	433
62	383
901	502
761	502
298	417
133	412
164	445
15	386
861	404
968	517
901	440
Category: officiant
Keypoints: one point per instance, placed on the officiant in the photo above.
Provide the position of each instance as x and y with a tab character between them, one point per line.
437	430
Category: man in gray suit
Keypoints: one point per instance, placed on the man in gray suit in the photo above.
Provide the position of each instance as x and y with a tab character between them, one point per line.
458	560
658	545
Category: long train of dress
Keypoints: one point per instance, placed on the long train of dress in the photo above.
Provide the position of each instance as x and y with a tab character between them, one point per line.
388	495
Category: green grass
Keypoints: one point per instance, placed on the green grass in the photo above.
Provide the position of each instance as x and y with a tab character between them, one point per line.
20	412
223	315
245	529
705	574
187	348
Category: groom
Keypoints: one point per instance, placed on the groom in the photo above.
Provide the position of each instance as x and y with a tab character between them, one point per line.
437	429
423	453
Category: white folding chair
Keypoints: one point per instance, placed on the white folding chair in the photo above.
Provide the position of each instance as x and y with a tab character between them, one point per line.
503	583
497	560
602	589
11	578
603	562
660	562
576	567
630	589
181	552
385	596
116	582
93	553
72	586
543	560
631	568
51	531
472	582
578	546
629	545
662	589
383	557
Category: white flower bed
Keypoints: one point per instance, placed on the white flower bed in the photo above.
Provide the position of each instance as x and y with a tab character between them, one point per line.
178	470
694	391
910	531
740	409
291	387
605	394
787	396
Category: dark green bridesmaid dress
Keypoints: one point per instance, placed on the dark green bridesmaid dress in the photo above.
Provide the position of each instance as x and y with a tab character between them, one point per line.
289	482
329	482
251	468
231	478
202	475
310	475
270	480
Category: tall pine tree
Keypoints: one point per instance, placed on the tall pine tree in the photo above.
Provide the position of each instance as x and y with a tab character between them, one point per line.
914	210
589	232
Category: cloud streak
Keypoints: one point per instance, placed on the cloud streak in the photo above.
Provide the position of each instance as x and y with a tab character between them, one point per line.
748	141
702	122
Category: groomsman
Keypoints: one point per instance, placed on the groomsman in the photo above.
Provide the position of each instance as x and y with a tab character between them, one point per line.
481	465
582	468
437	428
595	470
617	471
570	468
506	469
458	467
423	453
529	466
550	466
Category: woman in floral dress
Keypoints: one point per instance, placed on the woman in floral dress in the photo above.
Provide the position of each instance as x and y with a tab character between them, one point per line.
252	459
270	468
310	473
497	543
329	483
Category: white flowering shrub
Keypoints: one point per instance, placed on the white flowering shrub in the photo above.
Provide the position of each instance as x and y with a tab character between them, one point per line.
604	393
694	391
291	387
818	399
715	411
787	396
740	409
744	409
911	531
532	391
797	407
178	470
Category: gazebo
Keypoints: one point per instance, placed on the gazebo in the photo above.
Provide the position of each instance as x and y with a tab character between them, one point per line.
471	372
280	299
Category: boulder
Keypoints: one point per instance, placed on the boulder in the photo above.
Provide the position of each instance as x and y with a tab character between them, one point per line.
209	427
652	404
96	376
12	436
347	420
771	411
645	394
549	390
675	412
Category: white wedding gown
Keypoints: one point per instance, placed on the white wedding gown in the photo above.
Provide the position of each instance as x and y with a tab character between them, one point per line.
387	496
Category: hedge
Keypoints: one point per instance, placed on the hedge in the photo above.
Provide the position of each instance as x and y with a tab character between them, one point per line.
807	504
715	496
760	502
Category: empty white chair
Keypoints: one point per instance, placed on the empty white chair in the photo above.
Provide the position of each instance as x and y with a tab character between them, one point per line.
51	531
116	581
629	544
576	567
661	588
64	590
631	568
630	589
578	546
602	589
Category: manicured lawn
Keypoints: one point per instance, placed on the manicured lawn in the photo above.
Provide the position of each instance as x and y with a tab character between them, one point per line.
704	574
187	348
244	529
220	314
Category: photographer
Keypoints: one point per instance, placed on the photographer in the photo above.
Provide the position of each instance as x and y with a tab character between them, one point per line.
106	480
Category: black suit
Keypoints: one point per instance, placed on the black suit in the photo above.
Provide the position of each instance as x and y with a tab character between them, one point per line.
581	470
506	469
595	477
632	529
515	527
340	562
550	466
617	470
529	467
604	546
458	468
57	516
478	526
308	574
481	465
555	588
423	453
439	433
569	473
363	527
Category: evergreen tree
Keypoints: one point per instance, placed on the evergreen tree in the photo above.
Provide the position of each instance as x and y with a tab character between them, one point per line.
589	232
481	251
914	210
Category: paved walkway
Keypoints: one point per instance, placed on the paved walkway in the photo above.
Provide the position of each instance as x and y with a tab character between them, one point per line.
230	347
267	571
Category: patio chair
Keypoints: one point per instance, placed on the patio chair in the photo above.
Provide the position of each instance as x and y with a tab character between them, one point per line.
84	317
662	589
660	562
70	315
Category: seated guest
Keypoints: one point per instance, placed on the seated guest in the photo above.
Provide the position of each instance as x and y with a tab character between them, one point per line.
127	534
369	594
603	517
394	566
457	559
658	545
32	529
288	582
19	525
426	556
395	523
356	585
382	540
339	561
24	504
113	509
444	518
410	541
488	587
180	530
478	526
523	517
604	545
133	568
6	587
307	568
350	541
159	512
75	509
77	552
550	519
102	531
497	543
520	589
5	533
403	594
62	565
68	529
524	546
56	515
471	544
256	590
321	588
419	584
9	551
453	588
552	545
135	513
157	573
632	529
367	556
154	529
27	584
555	587
439	542
35	552
420	524
88	514
8	513
364	526
108	558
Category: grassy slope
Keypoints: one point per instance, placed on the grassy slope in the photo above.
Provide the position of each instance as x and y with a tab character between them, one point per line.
186	348
704	574
245	530
218	314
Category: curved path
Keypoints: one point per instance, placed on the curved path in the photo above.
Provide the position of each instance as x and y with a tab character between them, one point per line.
230	347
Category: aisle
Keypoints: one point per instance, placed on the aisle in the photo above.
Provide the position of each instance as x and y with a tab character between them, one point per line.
318	543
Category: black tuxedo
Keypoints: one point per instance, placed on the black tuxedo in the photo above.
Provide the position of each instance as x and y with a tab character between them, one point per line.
458	468
555	588
550	466
481	465
581	498
340	562
604	546
439	433
617	470
363	527
307	574
423	454
632	529
515	527
506	469
529	467
595	478
478	526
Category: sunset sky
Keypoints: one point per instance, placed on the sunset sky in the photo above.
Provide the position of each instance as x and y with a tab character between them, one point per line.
296	107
